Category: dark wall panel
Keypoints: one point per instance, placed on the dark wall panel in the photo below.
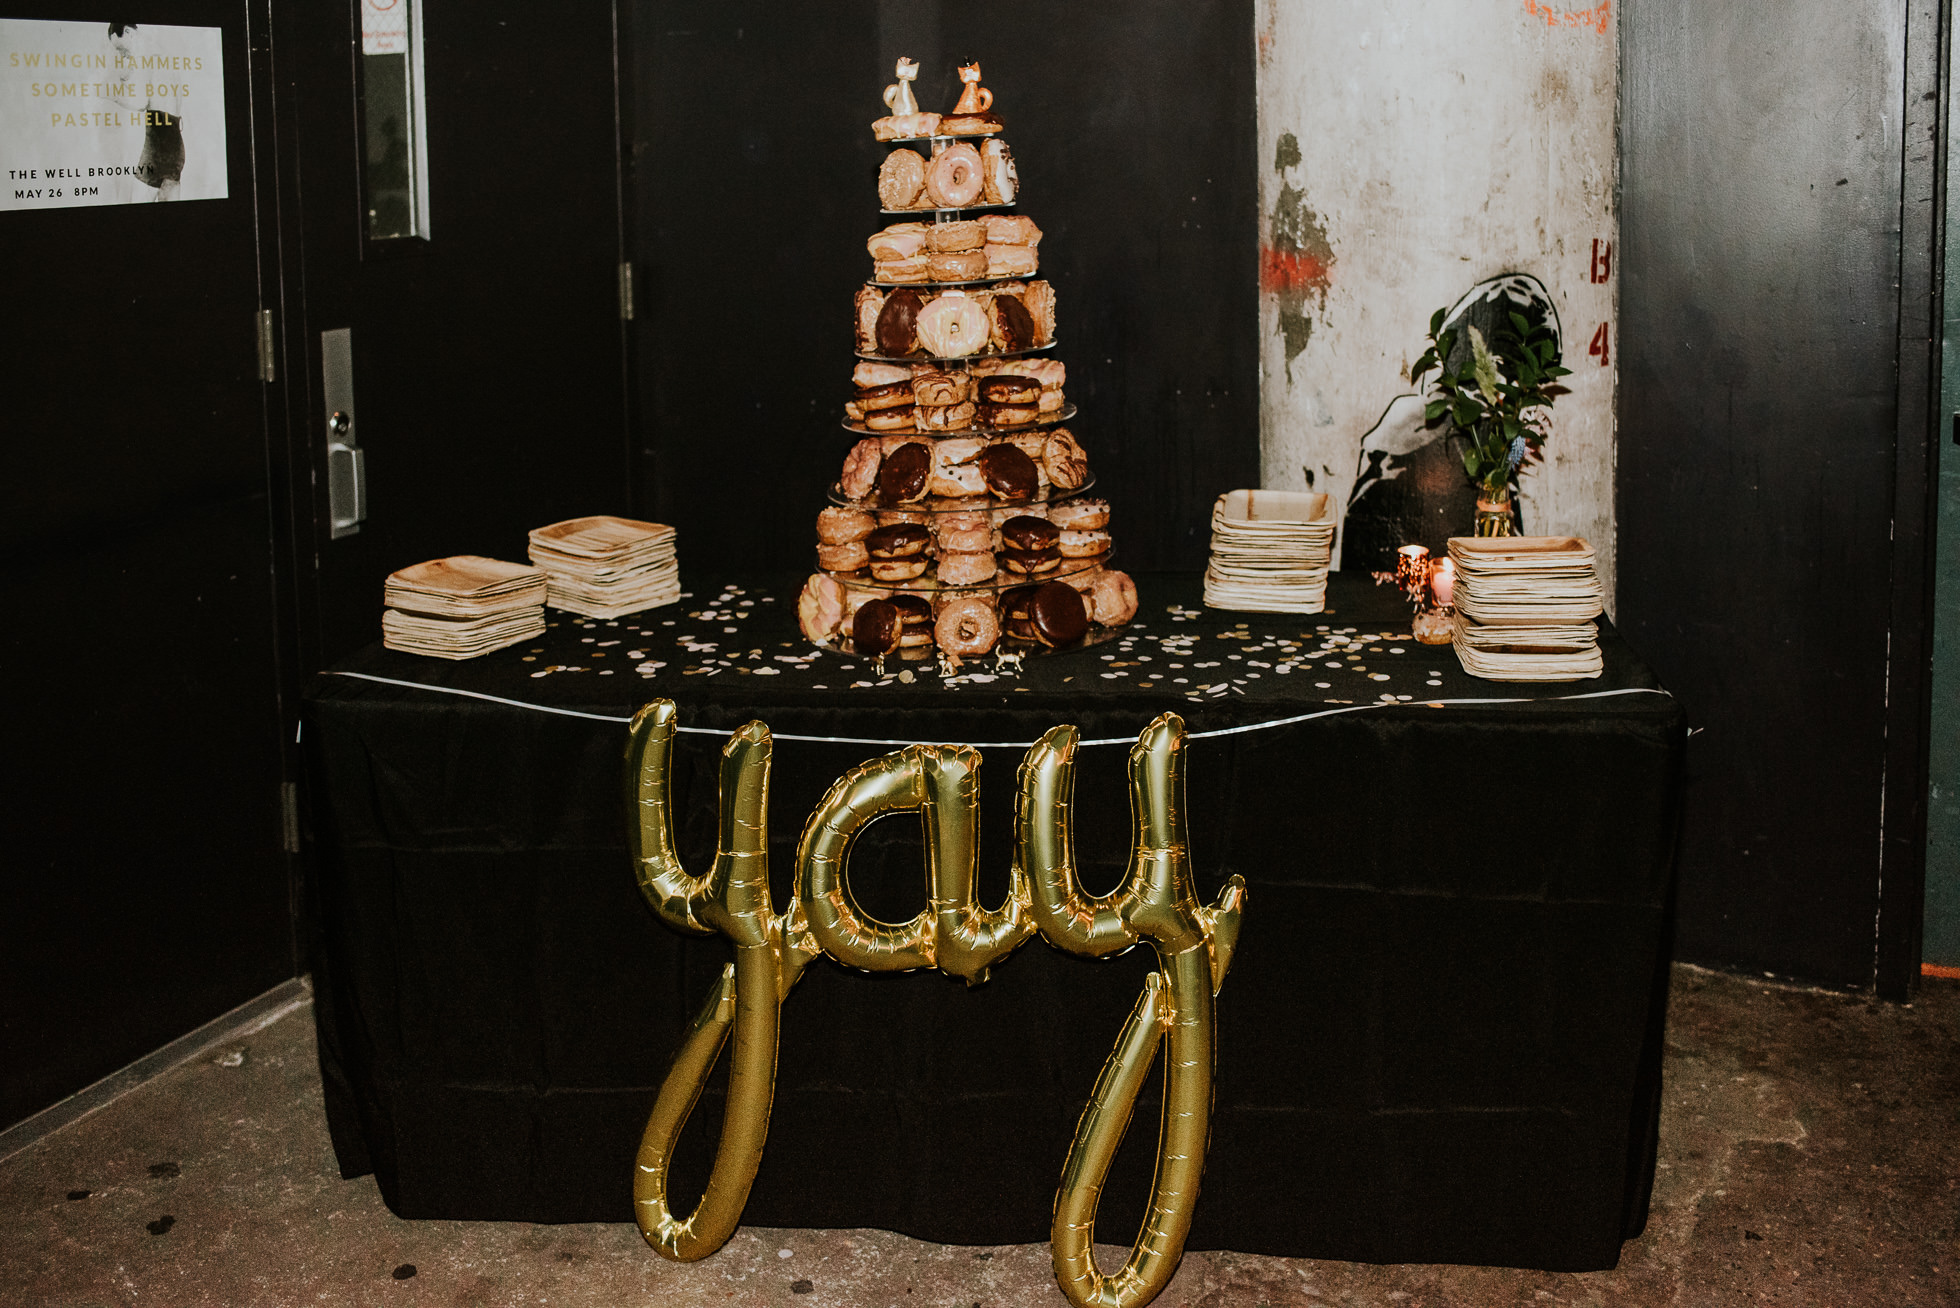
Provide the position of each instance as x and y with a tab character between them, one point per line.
1761	201
755	189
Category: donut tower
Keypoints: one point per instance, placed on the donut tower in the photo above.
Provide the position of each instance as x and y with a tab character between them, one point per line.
961	521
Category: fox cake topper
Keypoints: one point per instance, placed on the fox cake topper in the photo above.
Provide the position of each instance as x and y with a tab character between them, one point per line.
975	98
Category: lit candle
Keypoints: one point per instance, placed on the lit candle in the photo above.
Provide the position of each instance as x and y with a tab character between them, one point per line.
1442	583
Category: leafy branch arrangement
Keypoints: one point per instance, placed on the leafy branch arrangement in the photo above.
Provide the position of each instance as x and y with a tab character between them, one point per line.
1489	393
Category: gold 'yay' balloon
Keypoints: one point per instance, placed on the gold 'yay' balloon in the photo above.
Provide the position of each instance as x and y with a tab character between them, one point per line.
1156	902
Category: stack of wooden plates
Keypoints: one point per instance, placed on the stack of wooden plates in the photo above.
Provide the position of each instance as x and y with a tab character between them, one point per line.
1270	551
462	607
1525	607
605	567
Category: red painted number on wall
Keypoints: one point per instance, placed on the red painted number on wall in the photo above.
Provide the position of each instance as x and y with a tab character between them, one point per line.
1601	347
1602	261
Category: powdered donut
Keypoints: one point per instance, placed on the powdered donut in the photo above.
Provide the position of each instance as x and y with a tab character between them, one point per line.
900	179
952	327
861	468
953	180
966	627
820	609
1113	599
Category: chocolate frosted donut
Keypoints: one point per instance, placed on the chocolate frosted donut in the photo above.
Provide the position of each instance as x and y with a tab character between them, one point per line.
1050	614
1024	532
1004	388
891	396
875	629
1010	474
914	620
901	540
1031	563
902	476
1013	329
898	323
1006	415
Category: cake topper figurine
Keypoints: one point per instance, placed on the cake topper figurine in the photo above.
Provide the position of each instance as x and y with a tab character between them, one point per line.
975	99
898	96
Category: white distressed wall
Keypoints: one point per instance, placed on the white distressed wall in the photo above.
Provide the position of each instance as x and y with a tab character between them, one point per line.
1437	145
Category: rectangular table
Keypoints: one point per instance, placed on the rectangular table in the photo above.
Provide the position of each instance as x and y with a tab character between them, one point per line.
1440	1041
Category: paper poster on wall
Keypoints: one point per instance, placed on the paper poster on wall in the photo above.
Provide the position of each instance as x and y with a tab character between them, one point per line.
110	113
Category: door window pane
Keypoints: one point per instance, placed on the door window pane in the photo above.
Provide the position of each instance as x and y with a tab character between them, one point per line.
396	149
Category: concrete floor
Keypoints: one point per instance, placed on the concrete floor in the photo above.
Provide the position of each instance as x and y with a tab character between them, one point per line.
1810	1155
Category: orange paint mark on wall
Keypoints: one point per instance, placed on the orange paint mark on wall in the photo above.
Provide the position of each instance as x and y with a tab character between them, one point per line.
1937	969
1599	17
1290	270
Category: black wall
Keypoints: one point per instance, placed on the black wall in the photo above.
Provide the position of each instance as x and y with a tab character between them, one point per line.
1773	376
754	176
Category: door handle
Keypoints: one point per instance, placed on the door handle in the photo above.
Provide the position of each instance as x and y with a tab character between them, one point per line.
346	462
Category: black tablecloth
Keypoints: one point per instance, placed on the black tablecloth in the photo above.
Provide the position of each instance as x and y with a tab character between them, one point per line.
1439	1042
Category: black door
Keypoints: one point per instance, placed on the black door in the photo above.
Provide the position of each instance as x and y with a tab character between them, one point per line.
460	219
146	883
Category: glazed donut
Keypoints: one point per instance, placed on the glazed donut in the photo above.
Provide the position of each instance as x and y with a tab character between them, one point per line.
1080	515
820	609
952	327
868	374
932	385
861	468
892	517
898	569
955	471
967	626
966	540
966	567
837	525
1113	598
1010	229
1039	301
1084	544
952	181
958	266
867	306
947	417
998	180
905	127
963	235
848	557
1010	260
900	179
895	419
897	242
1063	460
918	268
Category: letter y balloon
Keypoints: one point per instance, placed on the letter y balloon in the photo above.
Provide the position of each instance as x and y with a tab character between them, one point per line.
1157	902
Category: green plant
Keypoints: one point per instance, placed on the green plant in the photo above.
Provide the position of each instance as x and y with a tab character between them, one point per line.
1489	391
